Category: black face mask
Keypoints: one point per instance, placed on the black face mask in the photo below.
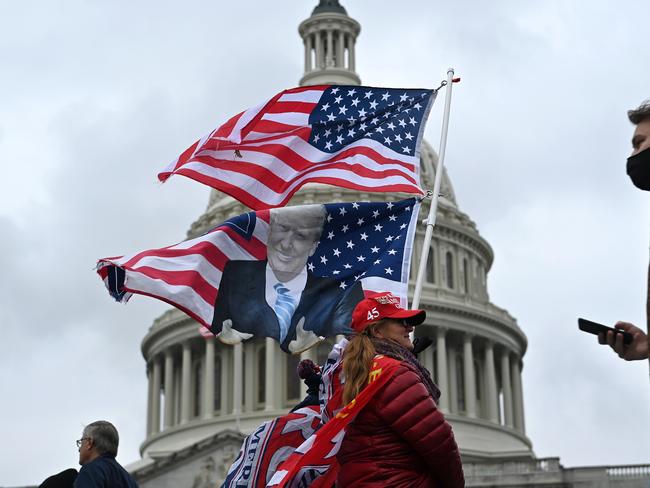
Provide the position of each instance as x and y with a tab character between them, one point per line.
638	169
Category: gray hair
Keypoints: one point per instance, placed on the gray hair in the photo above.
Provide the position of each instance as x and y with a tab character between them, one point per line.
104	435
639	114
306	217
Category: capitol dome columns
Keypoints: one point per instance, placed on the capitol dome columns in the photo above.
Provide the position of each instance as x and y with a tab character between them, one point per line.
506	387
168	420
186	382
441	368
329	37
518	396
154	397
238	369
469	376
453	380
492	394
149	399
207	409
426	358
478	377
249	376
271	400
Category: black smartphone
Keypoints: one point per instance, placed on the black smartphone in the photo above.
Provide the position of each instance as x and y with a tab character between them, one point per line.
596	328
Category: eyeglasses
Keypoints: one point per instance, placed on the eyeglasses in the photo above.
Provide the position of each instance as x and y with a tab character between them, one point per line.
80	441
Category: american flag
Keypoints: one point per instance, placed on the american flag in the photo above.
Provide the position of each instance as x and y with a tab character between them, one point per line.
187	275
355	137
364	242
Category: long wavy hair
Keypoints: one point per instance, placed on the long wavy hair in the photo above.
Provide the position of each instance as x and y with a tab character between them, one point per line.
357	358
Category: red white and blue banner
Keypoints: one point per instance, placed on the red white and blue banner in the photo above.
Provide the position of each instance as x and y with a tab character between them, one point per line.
269	457
269	445
356	137
291	273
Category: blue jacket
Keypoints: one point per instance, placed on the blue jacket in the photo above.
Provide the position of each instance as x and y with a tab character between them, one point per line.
104	472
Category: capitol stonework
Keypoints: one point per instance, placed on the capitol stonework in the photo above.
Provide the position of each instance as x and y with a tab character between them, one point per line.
204	396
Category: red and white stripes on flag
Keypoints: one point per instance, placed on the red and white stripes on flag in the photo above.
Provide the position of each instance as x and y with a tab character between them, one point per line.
185	275
361	138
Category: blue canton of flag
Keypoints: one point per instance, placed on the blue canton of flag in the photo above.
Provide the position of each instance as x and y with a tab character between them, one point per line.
392	117
369	242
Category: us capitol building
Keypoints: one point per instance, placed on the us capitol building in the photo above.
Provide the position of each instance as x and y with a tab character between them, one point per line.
204	396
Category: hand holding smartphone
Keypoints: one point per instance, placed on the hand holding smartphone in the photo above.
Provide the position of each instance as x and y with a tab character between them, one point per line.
596	328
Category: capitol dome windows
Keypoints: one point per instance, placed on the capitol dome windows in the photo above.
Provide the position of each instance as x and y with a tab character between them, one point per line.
431	266
449	269
466	276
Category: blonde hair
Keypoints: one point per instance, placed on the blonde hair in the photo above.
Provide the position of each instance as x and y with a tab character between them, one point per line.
357	358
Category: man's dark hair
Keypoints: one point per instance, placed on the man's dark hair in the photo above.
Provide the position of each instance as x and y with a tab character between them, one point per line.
104	435
640	114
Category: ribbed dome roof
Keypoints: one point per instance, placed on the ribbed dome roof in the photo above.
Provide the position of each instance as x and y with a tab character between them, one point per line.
329	6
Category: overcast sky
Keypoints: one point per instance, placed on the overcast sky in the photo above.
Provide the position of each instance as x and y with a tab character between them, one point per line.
96	97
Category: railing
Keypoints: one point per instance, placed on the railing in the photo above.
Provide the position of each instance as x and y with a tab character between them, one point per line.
544	465
628	471
551	466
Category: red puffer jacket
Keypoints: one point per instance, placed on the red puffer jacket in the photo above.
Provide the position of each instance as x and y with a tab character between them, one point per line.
400	439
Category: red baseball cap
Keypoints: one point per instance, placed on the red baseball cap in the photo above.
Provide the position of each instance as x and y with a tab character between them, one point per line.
383	306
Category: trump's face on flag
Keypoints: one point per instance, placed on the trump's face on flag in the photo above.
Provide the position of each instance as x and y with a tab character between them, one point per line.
293	236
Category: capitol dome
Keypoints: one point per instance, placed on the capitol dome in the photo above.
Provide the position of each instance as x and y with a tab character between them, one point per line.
204	393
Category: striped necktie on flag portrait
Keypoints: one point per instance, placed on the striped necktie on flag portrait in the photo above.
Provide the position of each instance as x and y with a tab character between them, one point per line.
356	137
324	256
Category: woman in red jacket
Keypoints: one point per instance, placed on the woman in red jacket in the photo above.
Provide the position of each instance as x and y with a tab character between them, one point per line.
400	438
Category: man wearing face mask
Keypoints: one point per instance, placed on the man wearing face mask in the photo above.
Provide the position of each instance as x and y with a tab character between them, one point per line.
638	168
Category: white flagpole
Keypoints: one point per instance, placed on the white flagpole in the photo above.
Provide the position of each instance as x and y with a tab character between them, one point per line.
431	220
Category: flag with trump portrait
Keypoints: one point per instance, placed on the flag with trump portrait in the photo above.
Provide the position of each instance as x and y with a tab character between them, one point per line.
293	273
356	137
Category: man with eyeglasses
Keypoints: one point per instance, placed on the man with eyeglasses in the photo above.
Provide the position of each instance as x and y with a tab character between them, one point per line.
97	451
